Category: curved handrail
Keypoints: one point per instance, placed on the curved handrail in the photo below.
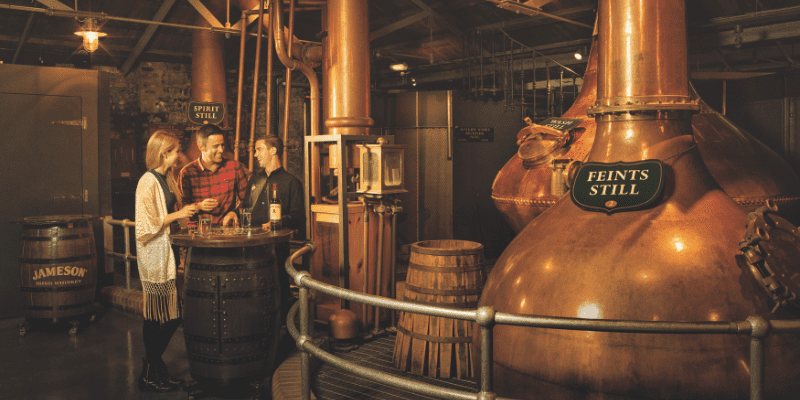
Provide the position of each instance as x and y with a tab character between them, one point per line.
756	327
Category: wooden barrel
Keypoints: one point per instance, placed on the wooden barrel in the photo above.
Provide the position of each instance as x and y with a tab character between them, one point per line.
58	266
231	313
445	273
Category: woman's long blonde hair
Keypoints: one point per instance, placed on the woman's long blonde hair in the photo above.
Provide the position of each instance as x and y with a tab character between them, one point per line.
161	142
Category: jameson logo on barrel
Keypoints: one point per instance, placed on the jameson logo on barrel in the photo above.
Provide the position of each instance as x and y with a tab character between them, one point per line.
206	112
619	186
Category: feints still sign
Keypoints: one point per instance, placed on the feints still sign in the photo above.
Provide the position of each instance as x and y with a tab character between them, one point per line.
619	186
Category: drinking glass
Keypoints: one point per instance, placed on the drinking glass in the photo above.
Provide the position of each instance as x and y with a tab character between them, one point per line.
245	218
205	224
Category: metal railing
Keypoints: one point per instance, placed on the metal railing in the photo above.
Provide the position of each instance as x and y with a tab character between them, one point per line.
126	224
486	317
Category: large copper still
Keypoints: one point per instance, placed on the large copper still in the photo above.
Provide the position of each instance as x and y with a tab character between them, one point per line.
745	168
672	262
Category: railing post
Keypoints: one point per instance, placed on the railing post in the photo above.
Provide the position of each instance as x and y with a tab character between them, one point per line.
305	357
759	329
126	229
485	319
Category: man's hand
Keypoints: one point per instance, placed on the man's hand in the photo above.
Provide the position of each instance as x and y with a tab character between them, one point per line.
231	216
267	227
208	204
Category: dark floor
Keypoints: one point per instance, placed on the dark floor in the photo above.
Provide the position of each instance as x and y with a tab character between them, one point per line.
101	362
104	359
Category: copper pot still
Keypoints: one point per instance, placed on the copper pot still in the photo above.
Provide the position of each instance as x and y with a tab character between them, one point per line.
746	169
674	261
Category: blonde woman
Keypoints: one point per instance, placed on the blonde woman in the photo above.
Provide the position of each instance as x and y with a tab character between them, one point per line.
156	195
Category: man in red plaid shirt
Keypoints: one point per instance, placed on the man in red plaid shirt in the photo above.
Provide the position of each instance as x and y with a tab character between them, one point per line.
215	184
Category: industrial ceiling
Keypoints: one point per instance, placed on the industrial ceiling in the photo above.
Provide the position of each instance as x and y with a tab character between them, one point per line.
728	39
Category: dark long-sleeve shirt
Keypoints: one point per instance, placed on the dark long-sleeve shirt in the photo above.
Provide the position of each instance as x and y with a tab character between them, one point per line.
290	194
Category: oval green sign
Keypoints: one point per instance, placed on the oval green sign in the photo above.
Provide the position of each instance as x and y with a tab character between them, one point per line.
619	186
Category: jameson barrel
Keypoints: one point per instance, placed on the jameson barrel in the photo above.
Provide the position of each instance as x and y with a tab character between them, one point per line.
231	305
444	273
58	266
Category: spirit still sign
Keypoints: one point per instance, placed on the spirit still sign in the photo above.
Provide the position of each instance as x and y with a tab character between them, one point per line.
619	186
201	112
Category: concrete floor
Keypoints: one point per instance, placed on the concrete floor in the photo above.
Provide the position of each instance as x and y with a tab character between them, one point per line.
102	361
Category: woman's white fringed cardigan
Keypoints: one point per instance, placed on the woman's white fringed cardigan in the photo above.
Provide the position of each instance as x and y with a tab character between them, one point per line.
154	253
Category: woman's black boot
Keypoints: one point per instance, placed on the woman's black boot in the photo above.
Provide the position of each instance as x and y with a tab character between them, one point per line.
151	380
166	377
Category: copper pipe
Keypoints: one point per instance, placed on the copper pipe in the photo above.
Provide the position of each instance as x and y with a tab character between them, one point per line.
268	84
365	263
650	53
280	48
347	90
250	6
393	277
242	41
255	86
288	94
326	65
379	267
208	69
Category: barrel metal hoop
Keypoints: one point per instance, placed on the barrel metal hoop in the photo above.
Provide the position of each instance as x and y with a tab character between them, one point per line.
54	238
446	252
454	305
66	307
200	339
259	337
227	267
199	294
248	294
230	361
435	339
427	268
446	292
55	289
56	260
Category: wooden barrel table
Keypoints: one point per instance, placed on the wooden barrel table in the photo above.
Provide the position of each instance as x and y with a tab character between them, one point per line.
444	273
231	305
58	267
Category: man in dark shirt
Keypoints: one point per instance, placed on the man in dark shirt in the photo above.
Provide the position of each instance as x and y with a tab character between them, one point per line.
217	185
290	194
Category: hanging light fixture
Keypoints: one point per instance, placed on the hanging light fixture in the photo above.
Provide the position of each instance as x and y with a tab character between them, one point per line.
91	37
399	66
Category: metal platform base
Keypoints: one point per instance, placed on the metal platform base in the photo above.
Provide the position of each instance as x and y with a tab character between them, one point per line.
329	383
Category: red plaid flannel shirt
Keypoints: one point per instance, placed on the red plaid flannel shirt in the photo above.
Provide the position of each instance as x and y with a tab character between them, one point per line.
227	184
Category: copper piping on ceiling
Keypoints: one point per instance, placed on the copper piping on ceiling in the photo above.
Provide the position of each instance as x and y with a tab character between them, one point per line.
288	95
276	19
297	48
674	261
255	86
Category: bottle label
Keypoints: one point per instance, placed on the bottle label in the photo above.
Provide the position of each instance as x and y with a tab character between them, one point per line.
274	212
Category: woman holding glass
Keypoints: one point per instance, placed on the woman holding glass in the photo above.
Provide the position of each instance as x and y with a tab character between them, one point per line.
156	194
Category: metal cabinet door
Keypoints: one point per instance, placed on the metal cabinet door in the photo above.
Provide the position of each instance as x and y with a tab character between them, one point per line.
41	164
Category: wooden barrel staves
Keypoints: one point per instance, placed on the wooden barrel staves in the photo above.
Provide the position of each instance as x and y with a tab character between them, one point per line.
447	273
58	266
